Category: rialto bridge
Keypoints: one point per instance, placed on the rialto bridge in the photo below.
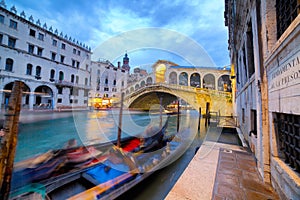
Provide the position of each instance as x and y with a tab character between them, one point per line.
195	85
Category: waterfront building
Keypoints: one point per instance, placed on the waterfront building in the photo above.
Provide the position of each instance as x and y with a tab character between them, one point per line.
54	68
264	38
107	81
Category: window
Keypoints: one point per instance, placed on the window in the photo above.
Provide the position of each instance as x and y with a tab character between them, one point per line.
62	58
287	129
106	89
61	76
87	67
32	32
106	81
86	93
73	63
38	71
59	100
250	54
74	51
286	12
243	115
54	42
12	42
9	64
13	24
72	78
52	74
40	51
41	36
63	45
1	19
53	56
29	69
59	90
86	81
1	38
115	82
77	64
30	48
78	52
77	79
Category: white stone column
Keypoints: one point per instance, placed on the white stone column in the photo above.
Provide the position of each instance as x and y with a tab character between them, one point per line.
31	101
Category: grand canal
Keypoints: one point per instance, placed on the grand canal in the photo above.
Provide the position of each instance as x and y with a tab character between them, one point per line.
41	132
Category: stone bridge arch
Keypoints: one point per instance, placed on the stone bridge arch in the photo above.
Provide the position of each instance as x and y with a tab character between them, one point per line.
196	97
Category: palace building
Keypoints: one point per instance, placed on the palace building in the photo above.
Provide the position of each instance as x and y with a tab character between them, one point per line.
264	38
56	70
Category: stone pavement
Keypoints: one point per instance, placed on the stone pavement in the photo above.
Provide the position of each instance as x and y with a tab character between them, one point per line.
238	178
221	171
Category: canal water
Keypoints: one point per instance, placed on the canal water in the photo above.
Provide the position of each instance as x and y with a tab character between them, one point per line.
41	132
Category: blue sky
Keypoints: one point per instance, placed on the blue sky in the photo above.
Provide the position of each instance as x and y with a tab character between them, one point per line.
180	31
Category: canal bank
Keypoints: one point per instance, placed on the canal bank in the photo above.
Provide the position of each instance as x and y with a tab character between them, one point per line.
221	171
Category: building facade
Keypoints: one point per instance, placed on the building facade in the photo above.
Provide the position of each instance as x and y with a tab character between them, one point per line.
56	70
264	38
107	81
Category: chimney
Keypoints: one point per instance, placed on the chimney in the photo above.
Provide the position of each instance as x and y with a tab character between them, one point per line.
119	65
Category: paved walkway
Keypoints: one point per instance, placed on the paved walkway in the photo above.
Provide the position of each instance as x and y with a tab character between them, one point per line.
221	171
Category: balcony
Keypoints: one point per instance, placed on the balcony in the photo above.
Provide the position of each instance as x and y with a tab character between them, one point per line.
64	83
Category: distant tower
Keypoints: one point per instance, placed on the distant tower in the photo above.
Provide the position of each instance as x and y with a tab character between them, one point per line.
126	63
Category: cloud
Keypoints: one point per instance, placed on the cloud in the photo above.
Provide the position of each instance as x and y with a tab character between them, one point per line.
93	23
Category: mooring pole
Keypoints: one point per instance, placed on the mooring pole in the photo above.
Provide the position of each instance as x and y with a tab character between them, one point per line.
199	120
207	114
9	140
120	121
178	117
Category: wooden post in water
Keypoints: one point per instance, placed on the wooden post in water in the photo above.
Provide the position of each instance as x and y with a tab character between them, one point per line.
120	121
207	114
9	140
178	117
199	120
160	111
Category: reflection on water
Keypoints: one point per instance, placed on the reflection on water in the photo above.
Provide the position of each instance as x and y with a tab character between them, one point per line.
88	127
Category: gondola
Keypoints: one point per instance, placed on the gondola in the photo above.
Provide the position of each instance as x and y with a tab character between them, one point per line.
64	167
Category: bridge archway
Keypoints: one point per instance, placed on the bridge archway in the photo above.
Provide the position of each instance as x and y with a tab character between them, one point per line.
183	78
173	78
224	83
209	82
195	80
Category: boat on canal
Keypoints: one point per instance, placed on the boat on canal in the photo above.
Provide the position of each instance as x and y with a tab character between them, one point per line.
82	168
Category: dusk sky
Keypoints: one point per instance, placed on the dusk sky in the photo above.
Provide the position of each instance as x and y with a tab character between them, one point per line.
179	31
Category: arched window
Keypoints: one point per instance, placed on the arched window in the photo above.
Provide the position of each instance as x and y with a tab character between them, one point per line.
29	69
183	78
38	70
195	80
72	78
143	83
106	80
86	81
61	76
173	78
209	82
115	82
9	64
52	73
